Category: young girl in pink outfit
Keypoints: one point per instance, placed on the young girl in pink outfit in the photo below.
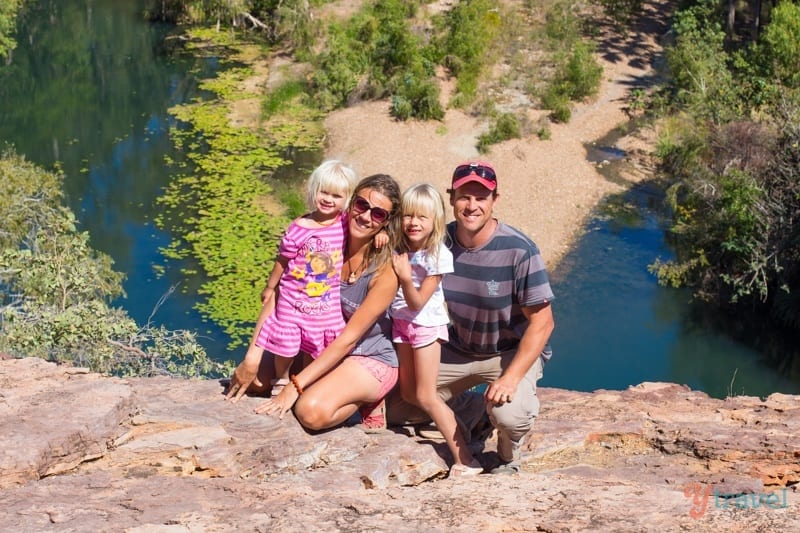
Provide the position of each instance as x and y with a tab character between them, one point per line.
419	315
303	287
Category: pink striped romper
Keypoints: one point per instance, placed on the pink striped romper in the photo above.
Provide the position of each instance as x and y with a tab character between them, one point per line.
308	312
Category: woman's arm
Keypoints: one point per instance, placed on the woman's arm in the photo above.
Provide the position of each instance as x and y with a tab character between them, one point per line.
378	299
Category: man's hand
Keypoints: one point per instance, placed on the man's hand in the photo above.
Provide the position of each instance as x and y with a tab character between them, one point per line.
501	390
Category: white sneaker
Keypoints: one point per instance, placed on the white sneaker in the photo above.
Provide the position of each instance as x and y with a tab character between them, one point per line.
460	470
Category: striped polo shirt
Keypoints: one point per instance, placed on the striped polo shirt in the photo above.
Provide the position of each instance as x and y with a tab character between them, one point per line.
489	285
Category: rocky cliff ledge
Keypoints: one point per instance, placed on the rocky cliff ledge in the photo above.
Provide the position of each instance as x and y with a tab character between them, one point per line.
83	452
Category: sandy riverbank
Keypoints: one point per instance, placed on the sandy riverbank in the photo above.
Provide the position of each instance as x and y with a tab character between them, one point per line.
548	189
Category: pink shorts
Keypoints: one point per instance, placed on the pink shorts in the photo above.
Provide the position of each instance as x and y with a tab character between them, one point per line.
405	332
287	340
385	374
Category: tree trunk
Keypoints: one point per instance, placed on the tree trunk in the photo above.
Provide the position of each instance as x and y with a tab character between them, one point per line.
731	19
756	20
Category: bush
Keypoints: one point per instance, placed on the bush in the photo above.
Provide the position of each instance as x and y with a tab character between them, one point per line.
470	29
373	55
417	98
281	96
782	41
698	64
8	19
557	102
54	290
562	27
582	74
505	127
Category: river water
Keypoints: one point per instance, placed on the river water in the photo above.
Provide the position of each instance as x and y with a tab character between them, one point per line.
88	90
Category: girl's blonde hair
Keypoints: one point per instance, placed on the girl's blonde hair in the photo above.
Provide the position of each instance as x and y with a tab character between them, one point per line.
423	199
332	176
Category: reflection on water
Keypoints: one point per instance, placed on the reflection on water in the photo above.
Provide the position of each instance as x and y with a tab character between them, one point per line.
88	90
603	153
615	326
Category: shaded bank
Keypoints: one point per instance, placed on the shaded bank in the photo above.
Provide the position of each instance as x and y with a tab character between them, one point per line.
618	327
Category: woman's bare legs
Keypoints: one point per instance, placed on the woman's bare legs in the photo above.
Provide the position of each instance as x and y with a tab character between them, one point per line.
337	396
419	368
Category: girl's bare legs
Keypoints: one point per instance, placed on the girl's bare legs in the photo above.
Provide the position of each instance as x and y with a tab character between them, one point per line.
282	367
337	396
256	360
419	368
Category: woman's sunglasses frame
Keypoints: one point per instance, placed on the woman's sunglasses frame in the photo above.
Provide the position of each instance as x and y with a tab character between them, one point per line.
361	205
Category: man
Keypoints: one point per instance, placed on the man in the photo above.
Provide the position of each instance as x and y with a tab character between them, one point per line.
499	299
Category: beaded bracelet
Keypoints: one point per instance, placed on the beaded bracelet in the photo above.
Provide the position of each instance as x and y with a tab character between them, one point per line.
297	386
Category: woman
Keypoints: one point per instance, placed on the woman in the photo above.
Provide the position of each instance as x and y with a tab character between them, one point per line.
357	370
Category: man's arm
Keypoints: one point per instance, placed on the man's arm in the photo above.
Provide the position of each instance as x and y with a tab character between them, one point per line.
533	341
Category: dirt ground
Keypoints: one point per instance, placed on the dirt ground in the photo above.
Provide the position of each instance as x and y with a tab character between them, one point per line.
547	188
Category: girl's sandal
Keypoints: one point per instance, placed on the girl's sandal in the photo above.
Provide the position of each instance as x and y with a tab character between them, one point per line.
277	386
461	470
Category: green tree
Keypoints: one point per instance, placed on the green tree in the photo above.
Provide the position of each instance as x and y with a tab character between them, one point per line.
8	21
782	42
699	64
373	55
471	27
55	289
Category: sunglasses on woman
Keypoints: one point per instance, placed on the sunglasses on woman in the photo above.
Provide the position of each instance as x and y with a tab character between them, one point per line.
378	215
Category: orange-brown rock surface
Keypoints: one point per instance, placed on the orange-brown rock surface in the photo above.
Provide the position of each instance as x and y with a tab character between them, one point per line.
83	452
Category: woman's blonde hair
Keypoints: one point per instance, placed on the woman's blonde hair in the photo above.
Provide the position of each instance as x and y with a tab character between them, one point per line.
332	176
422	199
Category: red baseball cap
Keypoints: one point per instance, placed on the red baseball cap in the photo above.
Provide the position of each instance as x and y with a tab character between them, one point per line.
479	171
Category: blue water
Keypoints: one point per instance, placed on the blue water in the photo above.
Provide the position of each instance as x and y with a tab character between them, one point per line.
615	327
88	90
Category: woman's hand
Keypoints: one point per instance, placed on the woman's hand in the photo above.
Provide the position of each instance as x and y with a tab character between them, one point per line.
281	403
245	375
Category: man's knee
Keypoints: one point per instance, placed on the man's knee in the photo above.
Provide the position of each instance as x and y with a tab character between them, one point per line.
516	418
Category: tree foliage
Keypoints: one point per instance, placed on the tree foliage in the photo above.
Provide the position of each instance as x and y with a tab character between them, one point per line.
288	22
376	54
55	289
782	44
8	19
734	161
699	65
576	71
